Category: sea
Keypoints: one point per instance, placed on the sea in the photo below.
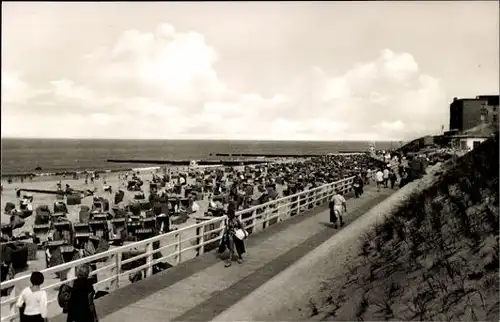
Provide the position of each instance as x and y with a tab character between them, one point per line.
22	156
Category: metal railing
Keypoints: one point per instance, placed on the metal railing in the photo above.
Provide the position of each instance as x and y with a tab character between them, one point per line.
179	245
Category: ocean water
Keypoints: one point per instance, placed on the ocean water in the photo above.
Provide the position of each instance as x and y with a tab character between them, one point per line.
57	155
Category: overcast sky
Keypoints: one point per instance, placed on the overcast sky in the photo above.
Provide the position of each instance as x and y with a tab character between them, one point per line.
283	71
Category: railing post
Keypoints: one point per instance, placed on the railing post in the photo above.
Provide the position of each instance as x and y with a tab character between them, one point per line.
201	250
223	226
280	211
254	219
178	248
115	284
306	199
149	259
298	203
265	213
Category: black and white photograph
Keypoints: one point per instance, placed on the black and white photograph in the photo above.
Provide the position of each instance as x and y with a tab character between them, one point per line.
249	161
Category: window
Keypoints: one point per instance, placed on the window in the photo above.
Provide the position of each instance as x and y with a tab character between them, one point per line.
475	144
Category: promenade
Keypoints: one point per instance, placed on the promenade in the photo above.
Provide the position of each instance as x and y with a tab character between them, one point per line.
202	288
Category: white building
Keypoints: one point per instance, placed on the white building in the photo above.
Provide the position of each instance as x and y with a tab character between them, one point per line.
472	138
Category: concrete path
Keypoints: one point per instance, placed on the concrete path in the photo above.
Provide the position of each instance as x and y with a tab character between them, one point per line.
202	288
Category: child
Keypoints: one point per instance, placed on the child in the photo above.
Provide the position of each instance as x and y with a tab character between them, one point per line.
33	302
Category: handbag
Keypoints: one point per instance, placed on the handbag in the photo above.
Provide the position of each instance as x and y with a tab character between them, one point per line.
64	296
240	234
222	244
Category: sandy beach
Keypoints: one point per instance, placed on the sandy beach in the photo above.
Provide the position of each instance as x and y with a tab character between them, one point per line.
50	183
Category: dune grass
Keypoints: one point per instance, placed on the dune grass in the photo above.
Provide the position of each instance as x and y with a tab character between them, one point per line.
435	257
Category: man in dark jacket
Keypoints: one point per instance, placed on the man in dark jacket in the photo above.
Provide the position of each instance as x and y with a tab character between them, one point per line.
358	185
81	306
393	178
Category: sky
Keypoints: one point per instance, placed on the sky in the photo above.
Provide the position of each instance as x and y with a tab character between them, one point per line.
249	70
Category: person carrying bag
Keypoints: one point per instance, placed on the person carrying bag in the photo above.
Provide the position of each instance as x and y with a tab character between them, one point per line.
234	237
81	307
64	294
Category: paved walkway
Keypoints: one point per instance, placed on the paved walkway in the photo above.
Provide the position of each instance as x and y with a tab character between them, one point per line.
202	288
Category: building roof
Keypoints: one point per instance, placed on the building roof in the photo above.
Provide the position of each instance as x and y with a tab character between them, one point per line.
485	130
492	99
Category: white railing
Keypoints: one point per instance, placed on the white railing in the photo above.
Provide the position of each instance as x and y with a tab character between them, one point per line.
180	245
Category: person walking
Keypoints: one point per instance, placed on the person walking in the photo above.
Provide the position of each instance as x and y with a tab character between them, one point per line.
386	177
358	185
32	301
379	176
233	238
81	307
368	176
404	178
393	178
338	205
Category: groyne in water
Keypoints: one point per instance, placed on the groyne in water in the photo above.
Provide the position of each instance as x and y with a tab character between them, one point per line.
303	155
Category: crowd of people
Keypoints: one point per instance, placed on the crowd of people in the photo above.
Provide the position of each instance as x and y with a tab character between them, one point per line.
229	189
291	178
261	184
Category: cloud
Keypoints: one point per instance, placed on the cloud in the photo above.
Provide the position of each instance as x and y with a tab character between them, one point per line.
14	90
391	126
164	84
67	90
